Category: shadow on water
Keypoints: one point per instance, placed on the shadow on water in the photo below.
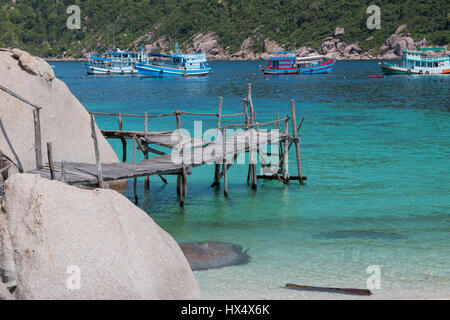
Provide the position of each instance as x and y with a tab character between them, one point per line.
359	234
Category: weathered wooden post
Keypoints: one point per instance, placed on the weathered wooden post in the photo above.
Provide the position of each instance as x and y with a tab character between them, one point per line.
296	141
254	175
246	114
50	160
124	141
180	175
37	138
182	180
252	127
286	152
217	165
147	178
224	164
136	200
97	153
63	172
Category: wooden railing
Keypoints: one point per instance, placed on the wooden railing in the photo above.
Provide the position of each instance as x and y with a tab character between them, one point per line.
37	124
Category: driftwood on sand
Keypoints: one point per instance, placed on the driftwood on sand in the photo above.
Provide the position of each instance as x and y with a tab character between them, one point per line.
359	292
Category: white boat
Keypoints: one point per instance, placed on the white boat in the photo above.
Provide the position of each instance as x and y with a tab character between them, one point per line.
114	62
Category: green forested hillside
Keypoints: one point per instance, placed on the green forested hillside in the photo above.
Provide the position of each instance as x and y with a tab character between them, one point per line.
39	26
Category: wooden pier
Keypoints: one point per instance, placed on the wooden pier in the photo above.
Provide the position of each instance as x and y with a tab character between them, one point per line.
185	152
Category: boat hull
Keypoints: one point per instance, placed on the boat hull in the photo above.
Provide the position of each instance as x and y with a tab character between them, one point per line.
117	71
390	69
324	68
151	71
280	72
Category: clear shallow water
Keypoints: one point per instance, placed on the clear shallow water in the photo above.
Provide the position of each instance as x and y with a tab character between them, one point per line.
376	153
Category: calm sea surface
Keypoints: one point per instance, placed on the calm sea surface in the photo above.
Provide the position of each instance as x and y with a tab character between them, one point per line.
376	153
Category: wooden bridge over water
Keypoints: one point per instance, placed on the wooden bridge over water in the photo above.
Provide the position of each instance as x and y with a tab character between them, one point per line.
186	152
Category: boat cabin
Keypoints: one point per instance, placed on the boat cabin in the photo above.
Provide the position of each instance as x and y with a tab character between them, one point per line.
180	61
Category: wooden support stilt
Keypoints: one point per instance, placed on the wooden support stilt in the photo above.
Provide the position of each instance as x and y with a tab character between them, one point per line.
178	185
246	114
217	165
147	178
50	160
63	172
224	165
180	175
163	179
136	199
297	141
184	177
286	153
120	122
251	168
37	138
124	149
254	175
182	181
97	153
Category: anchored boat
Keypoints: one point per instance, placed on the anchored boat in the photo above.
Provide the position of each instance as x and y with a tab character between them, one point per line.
281	62
117	62
418	62
178	65
285	62
315	65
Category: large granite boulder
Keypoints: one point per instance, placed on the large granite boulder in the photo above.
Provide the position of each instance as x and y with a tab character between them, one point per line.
69	243
64	120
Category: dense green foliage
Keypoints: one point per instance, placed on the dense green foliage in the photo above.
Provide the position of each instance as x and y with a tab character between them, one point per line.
39	26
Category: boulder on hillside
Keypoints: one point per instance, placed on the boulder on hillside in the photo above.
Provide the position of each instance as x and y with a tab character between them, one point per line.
160	44
70	243
271	46
396	43
64	120
338	32
208	44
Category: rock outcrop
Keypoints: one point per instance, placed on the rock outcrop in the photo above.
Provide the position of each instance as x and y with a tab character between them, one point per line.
394	45
4	293
64	121
333	46
208	44
69	243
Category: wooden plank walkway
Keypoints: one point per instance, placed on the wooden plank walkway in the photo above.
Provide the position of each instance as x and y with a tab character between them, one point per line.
195	153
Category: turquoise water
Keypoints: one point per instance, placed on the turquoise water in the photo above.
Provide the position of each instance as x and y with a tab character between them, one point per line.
376	153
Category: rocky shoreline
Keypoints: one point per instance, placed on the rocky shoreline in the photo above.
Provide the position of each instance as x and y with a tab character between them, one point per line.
333	47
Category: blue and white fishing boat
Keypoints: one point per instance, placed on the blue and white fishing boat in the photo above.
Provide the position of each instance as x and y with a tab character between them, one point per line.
114	62
315	65
177	65
418	62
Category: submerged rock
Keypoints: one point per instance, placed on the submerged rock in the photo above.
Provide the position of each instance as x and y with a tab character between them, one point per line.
213	255
69	243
